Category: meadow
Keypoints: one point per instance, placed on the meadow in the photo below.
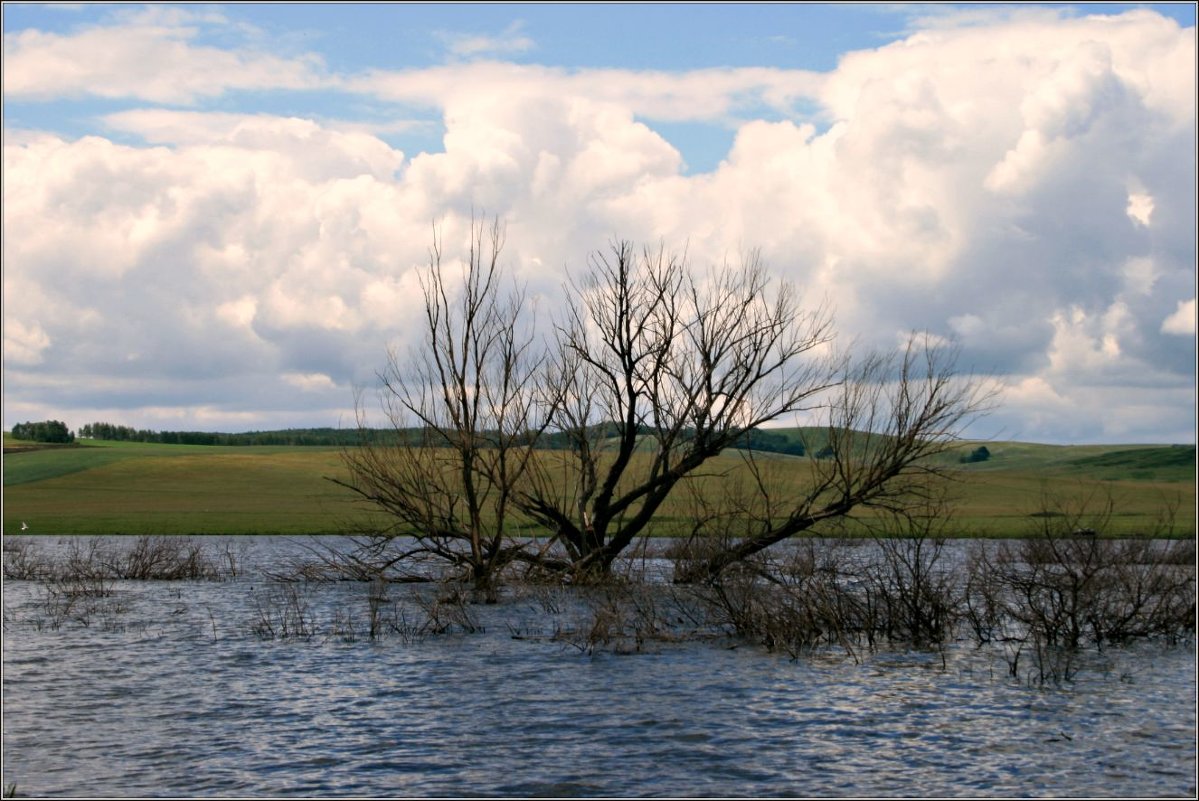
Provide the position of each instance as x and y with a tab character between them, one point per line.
102	487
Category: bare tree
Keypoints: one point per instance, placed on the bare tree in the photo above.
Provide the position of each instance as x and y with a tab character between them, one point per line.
464	416
657	370
654	369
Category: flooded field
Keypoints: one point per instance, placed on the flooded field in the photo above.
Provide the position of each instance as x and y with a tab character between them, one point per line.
242	687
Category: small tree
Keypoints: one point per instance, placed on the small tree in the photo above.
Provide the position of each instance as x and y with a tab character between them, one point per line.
979	454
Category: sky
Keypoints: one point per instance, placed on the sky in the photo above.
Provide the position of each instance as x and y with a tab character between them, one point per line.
214	216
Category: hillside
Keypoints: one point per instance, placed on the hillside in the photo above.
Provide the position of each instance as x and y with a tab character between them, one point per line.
1099	462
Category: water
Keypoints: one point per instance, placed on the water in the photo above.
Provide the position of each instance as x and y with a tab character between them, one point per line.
168	691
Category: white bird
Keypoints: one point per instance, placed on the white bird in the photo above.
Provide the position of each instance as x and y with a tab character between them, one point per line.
24	526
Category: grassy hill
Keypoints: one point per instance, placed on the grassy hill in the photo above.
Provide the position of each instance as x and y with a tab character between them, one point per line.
1101	462
97	487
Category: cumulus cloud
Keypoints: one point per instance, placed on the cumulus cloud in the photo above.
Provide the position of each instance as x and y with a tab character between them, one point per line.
1022	183
705	94
1182	321
317	151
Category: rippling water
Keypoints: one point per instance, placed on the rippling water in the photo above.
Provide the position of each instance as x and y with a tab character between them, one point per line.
168	691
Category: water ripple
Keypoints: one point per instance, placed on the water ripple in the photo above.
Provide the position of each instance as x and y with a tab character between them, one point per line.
168	708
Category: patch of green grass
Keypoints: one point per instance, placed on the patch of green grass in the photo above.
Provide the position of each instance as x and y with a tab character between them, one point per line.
1173	463
41	464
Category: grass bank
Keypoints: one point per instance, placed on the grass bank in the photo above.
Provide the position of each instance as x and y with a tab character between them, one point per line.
98	487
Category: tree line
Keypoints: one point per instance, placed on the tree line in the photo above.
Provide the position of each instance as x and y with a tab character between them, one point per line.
760	440
291	436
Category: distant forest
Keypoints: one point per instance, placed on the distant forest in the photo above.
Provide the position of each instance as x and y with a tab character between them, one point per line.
757	439
290	436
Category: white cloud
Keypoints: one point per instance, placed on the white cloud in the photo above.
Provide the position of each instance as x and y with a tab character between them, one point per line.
308	382
1140	207
1182	321
153	57
239	313
1039	409
24	344
706	94
510	41
1086	344
315	150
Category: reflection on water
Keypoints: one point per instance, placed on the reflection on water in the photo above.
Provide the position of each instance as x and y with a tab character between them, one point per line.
169	692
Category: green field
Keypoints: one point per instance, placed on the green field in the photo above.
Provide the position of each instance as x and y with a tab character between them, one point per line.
98	487
117	488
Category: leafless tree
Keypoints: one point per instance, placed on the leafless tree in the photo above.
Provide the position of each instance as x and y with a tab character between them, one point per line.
464	418
654	369
657	369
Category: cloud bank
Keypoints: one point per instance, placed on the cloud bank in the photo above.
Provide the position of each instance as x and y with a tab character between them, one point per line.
1023	184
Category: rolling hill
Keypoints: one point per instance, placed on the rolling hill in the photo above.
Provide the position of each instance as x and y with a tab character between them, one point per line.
99	487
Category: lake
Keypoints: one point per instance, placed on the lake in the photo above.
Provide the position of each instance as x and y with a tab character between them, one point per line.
177	688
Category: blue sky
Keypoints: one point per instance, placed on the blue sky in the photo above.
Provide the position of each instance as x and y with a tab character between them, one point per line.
353	37
213	213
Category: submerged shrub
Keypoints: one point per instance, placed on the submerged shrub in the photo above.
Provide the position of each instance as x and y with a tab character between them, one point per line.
143	558
1073	591
282	612
163	558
